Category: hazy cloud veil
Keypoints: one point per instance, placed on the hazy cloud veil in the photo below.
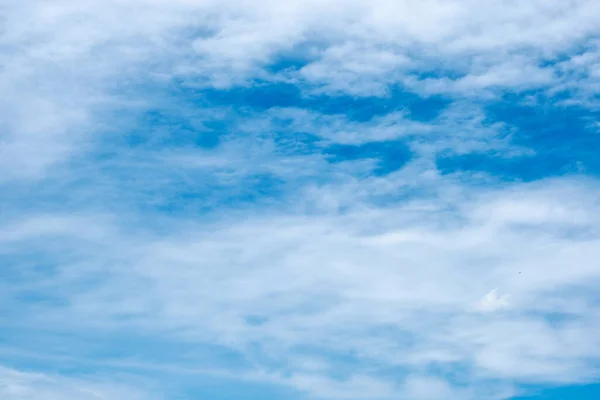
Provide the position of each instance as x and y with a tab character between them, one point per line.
298	199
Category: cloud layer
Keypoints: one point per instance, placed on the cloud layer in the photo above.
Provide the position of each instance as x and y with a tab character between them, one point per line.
322	199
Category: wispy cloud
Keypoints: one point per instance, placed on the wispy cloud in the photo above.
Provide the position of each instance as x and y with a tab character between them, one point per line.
334	200
15	385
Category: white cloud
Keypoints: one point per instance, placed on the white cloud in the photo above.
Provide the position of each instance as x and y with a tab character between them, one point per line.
492	302
336	267
394	287
17	385
357	387
423	387
76	63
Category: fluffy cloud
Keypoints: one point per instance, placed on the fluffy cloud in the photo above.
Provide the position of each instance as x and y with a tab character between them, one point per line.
75	65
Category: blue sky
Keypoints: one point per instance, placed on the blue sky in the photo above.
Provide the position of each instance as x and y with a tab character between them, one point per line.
311	200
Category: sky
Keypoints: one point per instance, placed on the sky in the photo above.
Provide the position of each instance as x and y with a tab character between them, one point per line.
299	200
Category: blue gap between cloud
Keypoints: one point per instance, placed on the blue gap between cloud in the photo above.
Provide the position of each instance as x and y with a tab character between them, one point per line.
562	138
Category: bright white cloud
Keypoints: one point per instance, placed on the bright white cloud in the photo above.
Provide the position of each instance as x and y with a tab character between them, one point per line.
492	302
